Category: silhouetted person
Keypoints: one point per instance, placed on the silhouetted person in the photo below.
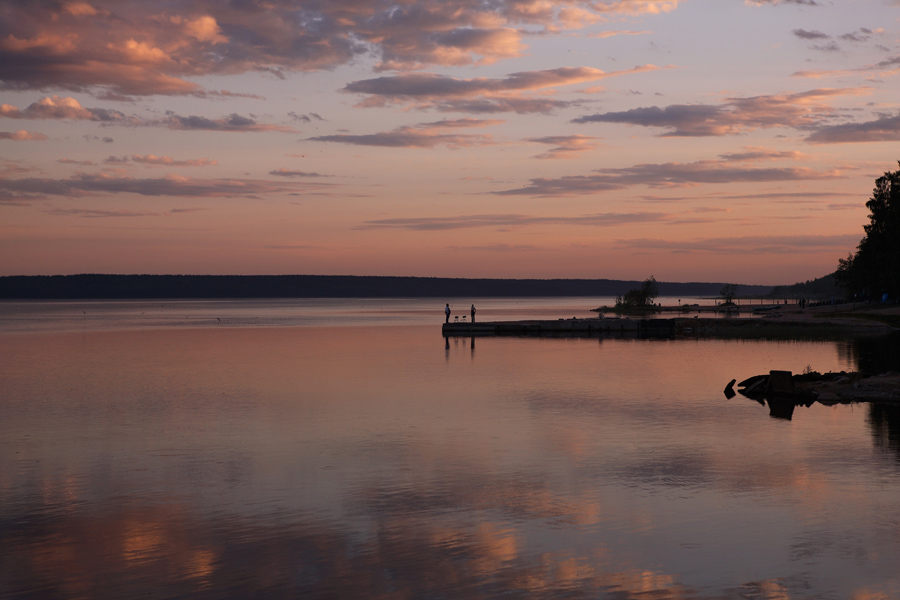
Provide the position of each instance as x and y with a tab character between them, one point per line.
473	313
447	313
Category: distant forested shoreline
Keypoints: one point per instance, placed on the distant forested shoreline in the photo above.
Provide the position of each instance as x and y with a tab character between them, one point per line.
85	287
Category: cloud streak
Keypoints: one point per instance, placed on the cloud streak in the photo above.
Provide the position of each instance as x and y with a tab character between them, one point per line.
281	172
883	68
424	135
778	2
803	110
479	94
565	146
82	184
94	213
152	160
234	123
511	220
70	109
772	244
668	175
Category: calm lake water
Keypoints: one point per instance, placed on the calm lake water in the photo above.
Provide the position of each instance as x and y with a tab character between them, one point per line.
344	449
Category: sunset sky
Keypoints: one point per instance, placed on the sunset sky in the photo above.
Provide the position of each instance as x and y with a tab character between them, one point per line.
692	140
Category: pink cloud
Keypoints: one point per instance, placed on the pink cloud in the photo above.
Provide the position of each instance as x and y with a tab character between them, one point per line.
615	32
22	136
57	107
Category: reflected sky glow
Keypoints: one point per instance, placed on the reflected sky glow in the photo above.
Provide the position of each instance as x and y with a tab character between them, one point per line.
375	461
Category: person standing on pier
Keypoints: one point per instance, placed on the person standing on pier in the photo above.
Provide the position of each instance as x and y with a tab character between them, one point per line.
447	313
473	313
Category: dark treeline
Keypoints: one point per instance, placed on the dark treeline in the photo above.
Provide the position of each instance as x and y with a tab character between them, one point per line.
821	288
325	286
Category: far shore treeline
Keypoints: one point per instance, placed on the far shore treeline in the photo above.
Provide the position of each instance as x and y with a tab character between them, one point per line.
84	287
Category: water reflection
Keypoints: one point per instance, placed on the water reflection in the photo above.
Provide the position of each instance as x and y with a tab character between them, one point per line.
884	421
876	354
349	463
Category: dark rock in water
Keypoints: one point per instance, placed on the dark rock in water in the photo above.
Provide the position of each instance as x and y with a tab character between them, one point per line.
779	384
751	380
781	409
757	387
729	390
827	388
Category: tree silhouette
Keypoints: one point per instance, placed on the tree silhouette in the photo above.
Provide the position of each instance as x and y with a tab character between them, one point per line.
640	298
729	292
875	268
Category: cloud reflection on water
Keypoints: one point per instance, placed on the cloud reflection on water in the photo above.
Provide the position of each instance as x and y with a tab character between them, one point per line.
134	548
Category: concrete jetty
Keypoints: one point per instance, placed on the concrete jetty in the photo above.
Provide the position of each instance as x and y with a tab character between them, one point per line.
806	324
572	326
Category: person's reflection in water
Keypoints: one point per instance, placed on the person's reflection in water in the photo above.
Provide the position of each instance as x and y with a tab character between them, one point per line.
446	348
472	346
